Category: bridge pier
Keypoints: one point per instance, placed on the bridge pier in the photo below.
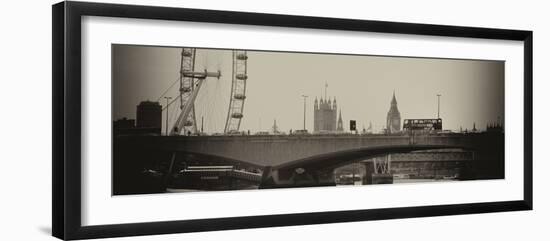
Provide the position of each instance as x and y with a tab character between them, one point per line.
296	177
373	177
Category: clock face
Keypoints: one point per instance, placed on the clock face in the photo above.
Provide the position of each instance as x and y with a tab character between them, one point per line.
395	123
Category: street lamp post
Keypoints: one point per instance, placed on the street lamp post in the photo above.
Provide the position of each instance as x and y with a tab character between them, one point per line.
167	104
305	97
438	100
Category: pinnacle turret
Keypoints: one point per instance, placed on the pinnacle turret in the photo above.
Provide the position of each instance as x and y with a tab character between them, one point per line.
340	127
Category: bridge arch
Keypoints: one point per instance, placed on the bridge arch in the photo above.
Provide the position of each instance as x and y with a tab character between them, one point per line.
342	158
315	169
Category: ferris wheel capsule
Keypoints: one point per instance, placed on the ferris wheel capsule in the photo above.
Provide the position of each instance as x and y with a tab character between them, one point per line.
239	96
242	57
237	115
186	53
242	76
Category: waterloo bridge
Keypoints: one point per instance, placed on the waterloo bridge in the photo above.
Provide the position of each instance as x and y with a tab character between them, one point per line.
310	160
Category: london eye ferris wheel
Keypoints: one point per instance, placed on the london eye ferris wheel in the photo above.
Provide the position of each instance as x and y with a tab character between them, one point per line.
209	99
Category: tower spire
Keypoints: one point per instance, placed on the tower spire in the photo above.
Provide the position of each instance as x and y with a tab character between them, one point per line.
275	128
340	124
326	86
393	121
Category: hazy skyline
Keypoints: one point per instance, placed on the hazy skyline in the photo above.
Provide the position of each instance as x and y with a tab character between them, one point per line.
472	90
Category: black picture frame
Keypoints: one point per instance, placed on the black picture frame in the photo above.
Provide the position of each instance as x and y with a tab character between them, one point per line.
66	76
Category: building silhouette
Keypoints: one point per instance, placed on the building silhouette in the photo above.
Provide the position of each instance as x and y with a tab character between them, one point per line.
393	120
275	128
124	123
324	115
149	115
495	127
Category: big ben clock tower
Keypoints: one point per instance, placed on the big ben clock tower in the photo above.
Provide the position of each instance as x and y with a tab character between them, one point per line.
393	121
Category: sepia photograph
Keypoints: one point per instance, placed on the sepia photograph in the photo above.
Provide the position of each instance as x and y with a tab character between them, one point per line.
192	119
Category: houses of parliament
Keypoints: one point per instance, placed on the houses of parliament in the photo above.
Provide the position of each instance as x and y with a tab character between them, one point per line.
326	120
324	115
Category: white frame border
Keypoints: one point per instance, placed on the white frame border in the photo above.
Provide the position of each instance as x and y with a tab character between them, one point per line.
99	207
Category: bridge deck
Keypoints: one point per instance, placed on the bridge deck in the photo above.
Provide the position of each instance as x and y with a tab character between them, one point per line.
270	150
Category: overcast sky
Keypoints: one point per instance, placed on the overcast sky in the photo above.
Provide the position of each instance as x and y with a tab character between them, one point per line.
472	91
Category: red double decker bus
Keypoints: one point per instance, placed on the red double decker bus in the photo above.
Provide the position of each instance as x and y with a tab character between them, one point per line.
423	124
